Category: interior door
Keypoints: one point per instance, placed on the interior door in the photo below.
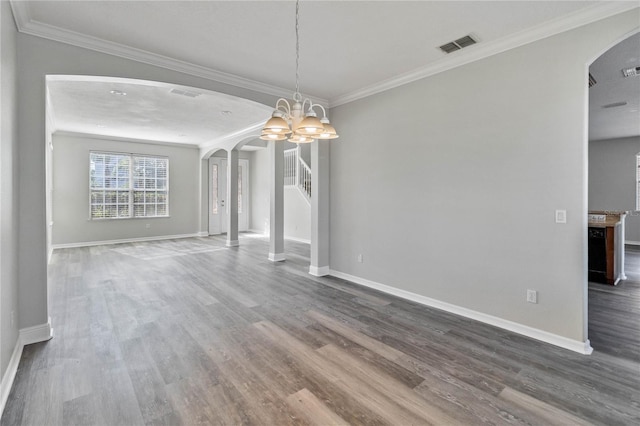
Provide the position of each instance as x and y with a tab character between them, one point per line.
217	195
218	203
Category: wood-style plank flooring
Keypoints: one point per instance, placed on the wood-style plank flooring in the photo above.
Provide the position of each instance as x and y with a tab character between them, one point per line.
191	332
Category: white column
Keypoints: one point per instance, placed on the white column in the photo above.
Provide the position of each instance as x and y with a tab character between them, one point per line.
623	237
319	208
276	187
232	198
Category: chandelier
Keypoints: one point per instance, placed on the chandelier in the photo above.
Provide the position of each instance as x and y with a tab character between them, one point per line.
289	121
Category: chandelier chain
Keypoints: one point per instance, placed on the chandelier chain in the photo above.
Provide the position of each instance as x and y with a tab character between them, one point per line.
297	47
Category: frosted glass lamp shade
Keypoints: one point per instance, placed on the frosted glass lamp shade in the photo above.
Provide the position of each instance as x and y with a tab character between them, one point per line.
310	126
276	125
328	133
295	138
273	136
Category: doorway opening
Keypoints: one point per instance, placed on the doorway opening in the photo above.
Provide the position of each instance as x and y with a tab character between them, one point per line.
218	200
614	189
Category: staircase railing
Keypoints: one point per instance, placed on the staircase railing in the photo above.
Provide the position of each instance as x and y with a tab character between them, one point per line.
297	172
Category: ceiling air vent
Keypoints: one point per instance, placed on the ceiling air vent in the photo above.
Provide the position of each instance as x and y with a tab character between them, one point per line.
185	93
592	81
615	104
631	72
458	44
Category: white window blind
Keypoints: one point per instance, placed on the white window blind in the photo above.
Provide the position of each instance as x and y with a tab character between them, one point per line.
125	186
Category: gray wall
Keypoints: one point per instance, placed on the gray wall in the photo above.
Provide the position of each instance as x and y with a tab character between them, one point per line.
451	195
71	221
39	57
8	187
612	180
260	169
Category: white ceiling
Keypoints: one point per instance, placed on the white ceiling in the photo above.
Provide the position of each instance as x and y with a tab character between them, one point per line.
613	88
148	110
348	48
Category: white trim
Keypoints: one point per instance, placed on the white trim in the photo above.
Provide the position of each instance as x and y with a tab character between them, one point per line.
233	243
299	240
10	374
544	336
582	17
26	25
26	336
276	257
319	271
632	243
259	232
202	234
36	334
125	240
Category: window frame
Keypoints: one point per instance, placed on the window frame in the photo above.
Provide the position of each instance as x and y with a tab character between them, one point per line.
131	190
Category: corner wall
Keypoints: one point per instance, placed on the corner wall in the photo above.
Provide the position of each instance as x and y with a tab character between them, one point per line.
612	180
451	195
8	196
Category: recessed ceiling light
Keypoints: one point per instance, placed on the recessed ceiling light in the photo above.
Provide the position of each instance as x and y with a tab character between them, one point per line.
118	92
226	112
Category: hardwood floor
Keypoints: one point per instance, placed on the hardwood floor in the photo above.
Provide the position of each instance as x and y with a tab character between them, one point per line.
191	332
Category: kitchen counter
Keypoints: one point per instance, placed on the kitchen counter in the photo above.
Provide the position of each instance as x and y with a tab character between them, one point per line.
606	246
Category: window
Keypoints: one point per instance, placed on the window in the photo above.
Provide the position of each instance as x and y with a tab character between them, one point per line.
126	185
638	181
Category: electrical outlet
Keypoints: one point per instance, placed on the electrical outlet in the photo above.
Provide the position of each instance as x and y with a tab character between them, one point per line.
360	258
148	225
532	296
561	216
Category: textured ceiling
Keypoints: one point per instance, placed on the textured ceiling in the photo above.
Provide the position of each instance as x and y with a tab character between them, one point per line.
613	88
149	110
347	47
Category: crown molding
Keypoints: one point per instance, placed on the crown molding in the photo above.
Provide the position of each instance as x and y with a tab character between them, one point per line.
585	16
26	25
480	51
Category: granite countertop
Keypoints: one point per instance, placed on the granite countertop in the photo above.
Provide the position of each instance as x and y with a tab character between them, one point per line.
611	221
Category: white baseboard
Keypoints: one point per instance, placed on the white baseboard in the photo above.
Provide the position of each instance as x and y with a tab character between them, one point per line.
36	334
125	240
298	240
319	271
259	231
203	234
10	374
276	257
544	336
26	336
632	243
233	243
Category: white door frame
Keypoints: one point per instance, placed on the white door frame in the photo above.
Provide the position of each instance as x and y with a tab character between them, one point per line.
218	219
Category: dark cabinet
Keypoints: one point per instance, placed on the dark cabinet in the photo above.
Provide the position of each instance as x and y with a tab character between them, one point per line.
601	254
